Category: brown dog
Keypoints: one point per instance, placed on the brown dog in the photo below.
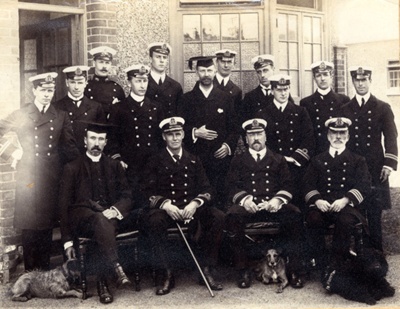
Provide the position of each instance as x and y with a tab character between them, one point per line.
273	269
47	284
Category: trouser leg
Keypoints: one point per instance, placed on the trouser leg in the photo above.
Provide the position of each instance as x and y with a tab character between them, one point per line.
37	248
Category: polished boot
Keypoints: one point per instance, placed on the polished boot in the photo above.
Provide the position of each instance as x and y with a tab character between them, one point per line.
165	281
244	281
103	292
122	279
296	281
214	285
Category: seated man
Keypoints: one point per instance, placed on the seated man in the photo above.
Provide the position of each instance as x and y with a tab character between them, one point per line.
177	187
260	187
95	202
335	184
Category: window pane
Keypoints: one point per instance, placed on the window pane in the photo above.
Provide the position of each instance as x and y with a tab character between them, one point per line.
63	42
307	29
308	84
293	56
210	28
283	56
190	50
230	27
250	81
190	81
293	28
48	49
307	56
302	3
249	50
317	52
30	55
191	26
249	27
294	83
210	49
282	27
316	30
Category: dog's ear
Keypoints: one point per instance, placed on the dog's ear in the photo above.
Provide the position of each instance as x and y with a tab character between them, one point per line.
73	265
279	251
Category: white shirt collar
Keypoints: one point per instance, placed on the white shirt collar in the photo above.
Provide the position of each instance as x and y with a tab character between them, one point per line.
93	158
156	76
220	78
205	91
78	100
137	98
254	153
40	106
332	151
324	91
179	154
366	98
279	105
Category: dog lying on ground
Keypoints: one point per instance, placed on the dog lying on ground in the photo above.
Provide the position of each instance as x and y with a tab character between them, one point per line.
361	278
273	269
54	283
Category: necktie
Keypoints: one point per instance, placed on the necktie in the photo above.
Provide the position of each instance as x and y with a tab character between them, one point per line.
160	81
258	158
336	154
280	109
362	102
223	83
176	157
43	109
322	97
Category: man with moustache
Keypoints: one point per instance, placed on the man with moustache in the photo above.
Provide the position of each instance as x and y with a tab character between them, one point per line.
324	103
260	186
210	130
95	202
79	108
374	123
336	183
162	89
46	143
290	132
177	188
101	88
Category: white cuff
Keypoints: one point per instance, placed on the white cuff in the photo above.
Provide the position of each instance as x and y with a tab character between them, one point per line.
194	137
241	203
68	244
229	149
119	215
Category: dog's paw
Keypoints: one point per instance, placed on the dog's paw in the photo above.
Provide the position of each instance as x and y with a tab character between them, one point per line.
279	290
20	298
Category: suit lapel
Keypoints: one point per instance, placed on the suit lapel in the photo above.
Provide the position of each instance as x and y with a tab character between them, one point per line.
40	119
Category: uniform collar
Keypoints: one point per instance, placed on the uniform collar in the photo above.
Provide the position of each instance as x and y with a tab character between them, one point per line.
93	158
40	106
206	92
220	78
179	154
156	76
279	105
254	153
137	98
366	98
332	151
323	91
75	99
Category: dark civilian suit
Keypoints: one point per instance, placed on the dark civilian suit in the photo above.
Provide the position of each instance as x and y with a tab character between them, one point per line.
47	141
370	123
105	91
263	180
88	111
253	101
217	113
321	108
290	133
233	90
165	96
331	178
181	182
80	187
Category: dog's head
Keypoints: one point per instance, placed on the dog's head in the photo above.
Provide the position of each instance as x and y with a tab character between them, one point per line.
273	256
372	263
72	269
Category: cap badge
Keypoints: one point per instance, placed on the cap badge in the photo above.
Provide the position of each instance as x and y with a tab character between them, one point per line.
260	59
164	47
322	66
360	71
48	79
78	71
172	121
227	53
282	81
339	122
255	123
142	70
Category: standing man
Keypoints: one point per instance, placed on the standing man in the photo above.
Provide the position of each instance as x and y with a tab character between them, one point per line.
79	108
222	80
261	96
210	130
46	142
101	88
177	187
260	187
290	132
324	103
162	90
335	184
95	201
373	122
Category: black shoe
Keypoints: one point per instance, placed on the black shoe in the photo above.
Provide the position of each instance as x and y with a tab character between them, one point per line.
165	281
214	285
296	281
104	293
244	281
122	279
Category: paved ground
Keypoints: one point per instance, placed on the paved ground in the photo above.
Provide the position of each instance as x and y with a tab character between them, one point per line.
188	294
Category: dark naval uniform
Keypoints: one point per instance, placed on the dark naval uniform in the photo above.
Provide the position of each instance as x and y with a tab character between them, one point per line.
181	182
233	90
369	124
166	95
321	108
290	133
105	91
217	113
264	180
47	141
331	178
253	101
88	111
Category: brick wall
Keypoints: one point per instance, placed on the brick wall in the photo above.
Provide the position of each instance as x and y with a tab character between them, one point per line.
340	62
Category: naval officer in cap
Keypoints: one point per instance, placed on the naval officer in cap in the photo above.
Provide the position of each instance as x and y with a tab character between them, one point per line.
373	123
79	108
335	185
101	88
46	141
324	103
162	89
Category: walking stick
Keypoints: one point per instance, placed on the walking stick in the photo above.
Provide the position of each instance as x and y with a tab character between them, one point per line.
194	259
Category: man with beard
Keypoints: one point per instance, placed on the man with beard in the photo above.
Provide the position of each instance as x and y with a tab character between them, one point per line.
101	88
80	109
95	202
210	130
260	186
162	89
324	103
335	184
373	124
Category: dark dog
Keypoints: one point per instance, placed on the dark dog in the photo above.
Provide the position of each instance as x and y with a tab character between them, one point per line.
361	278
54	283
273	269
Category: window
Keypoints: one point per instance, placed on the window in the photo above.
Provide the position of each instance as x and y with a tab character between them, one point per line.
394	74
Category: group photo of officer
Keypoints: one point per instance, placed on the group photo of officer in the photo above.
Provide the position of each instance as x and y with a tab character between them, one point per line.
103	160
